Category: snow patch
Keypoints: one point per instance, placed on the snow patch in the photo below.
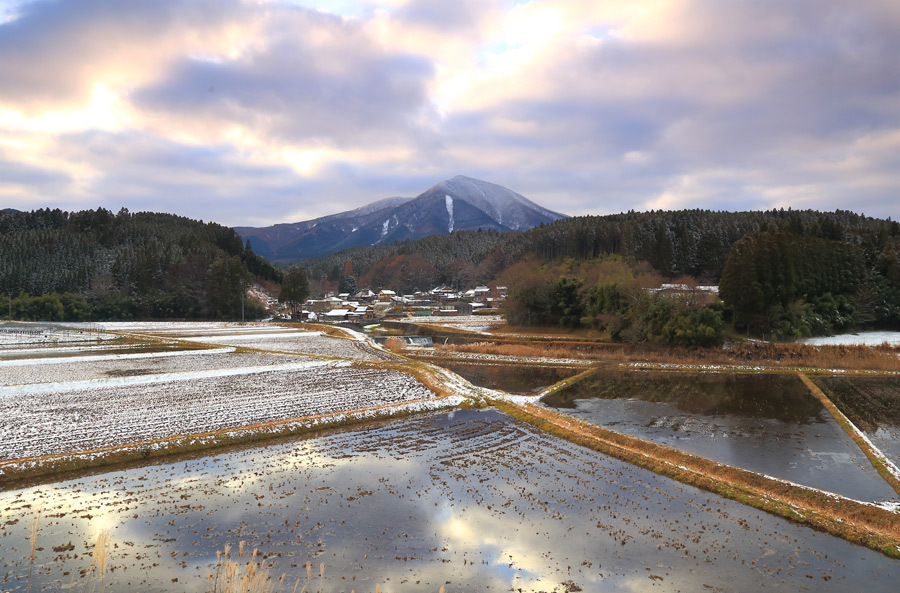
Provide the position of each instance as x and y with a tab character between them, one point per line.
875	338
449	203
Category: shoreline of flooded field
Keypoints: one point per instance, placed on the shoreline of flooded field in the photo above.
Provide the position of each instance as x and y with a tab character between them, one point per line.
463	500
765	423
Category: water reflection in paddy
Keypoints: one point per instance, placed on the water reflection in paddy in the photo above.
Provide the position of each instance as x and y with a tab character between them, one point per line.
472	501
767	423
510	378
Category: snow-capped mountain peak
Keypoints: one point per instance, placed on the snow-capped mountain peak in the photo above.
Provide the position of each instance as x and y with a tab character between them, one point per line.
460	203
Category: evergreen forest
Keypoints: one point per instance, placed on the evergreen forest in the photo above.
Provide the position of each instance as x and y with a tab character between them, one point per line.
783	273
96	265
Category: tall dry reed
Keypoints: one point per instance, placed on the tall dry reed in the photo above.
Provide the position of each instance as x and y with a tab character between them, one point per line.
100	556
35	527
240	576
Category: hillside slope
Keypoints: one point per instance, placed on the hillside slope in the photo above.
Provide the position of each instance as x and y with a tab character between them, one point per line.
461	203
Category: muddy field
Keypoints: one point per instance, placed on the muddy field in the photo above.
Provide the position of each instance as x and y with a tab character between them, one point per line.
107	398
45	419
472	501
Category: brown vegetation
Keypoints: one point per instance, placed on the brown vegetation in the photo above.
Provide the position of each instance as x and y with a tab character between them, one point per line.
240	576
395	344
854	357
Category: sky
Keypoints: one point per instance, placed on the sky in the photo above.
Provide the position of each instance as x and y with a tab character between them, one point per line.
259	112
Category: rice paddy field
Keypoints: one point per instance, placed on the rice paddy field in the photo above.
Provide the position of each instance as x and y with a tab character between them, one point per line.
51	405
767	423
452	498
873	405
471	501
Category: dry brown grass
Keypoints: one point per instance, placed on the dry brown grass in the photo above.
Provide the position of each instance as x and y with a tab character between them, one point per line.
35	527
517	349
853	357
244	576
99	557
395	344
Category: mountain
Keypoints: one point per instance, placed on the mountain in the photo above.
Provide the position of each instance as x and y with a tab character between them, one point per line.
461	203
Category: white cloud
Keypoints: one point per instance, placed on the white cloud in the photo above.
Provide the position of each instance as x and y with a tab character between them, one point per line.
308	106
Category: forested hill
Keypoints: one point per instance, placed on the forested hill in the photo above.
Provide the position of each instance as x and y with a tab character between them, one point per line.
98	265
675	243
838	265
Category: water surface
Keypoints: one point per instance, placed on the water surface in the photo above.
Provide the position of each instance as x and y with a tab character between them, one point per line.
471	501
767	423
518	378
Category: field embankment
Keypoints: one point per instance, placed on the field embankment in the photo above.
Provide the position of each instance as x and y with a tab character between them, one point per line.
861	523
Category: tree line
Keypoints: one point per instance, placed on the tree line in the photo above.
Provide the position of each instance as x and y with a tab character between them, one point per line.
94	264
784	272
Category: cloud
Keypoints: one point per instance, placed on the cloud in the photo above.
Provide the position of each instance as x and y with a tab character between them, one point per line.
316	80
315	106
20	179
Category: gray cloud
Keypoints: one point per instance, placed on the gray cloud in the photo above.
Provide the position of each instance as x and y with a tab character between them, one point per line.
343	94
17	176
459	16
51	51
732	105
211	182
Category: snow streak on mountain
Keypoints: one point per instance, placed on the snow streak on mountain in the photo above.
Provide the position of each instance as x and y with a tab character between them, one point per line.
461	203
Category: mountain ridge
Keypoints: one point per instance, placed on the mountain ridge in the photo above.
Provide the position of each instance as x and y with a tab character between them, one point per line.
459	203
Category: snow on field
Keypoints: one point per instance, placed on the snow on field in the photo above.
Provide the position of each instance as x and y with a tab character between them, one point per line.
311	343
475	356
259	335
864	338
105	366
175	327
48	337
67	417
473	323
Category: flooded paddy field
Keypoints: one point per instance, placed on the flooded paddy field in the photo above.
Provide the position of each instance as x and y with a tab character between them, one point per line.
872	404
767	423
471	501
520	378
17	336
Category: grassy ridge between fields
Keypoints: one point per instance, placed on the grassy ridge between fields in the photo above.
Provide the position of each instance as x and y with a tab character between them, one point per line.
857	522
